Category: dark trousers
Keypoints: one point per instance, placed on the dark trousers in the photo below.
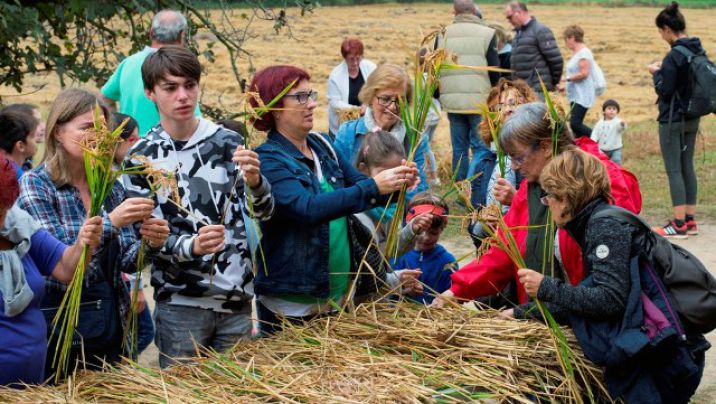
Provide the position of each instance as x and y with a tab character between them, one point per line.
677	142
576	121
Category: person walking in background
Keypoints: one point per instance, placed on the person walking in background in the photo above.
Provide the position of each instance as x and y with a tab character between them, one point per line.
608	131
535	52
677	134
579	80
126	85
346	81
461	90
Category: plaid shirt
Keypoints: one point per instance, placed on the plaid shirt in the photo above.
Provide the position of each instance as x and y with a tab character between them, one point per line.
61	212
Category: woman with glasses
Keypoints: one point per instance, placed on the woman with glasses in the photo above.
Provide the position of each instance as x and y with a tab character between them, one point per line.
385	86
527	138
610	310
346	81
305	265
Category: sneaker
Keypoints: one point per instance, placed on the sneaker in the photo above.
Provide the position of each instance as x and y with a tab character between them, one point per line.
671	230
691	228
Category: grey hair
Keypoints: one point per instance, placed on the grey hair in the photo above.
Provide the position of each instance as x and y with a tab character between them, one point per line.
463	6
167	26
529	125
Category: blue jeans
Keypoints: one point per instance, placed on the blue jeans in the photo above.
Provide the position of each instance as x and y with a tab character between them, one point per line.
145	330
615	155
180	329
463	135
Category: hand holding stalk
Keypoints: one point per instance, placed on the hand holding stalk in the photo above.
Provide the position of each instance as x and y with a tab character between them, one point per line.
394	179
249	166
155	231
131	210
210	240
531	280
504	191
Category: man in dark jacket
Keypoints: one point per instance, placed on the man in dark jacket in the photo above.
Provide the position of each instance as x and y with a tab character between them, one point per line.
535	52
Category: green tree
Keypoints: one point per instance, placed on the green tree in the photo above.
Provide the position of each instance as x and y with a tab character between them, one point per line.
79	40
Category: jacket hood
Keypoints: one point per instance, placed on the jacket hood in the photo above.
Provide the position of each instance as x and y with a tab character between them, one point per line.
691	43
203	131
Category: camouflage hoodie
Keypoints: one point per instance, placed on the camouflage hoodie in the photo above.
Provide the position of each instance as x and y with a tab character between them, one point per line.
205	175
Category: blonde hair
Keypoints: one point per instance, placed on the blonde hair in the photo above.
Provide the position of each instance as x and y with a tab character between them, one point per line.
387	75
69	104
576	178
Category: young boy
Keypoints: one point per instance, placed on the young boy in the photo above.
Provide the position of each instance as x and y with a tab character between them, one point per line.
202	276
608	131
435	262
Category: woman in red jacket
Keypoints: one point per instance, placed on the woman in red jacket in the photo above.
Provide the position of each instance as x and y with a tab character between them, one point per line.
527	138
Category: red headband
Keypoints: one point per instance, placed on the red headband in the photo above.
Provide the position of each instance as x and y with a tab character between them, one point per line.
426	208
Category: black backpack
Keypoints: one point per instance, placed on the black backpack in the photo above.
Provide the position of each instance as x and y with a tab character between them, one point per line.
690	284
702	84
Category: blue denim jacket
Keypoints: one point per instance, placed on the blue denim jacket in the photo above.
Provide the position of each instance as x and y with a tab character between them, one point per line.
295	239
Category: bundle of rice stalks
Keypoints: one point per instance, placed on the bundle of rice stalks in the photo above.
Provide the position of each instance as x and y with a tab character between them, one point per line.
98	145
381	352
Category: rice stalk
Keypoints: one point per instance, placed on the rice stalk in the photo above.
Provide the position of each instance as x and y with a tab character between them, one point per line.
98	146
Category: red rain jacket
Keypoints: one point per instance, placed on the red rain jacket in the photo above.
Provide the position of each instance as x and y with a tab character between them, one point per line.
491	273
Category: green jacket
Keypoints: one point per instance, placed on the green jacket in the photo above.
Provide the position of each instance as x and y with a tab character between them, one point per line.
461	90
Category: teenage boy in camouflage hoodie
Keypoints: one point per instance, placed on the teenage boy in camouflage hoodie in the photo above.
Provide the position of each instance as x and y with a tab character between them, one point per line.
194	305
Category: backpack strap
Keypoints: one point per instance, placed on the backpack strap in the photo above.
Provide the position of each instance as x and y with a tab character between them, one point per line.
648	237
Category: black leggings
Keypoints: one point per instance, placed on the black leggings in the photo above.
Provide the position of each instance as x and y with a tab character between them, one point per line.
576	121
678	154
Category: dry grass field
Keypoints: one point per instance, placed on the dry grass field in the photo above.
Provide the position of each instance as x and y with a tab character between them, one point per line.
624	40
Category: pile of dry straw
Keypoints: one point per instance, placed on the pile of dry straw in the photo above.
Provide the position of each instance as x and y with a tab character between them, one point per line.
378	353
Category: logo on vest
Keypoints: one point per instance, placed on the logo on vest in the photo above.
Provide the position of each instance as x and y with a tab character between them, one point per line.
602	251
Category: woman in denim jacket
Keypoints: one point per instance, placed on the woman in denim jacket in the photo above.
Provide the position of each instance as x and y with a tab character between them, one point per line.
306	257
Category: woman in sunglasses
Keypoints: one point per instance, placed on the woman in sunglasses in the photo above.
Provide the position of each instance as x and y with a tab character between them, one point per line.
305	254
527	138
381	93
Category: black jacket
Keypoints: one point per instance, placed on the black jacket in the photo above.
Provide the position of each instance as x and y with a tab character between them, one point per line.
535	54
673	78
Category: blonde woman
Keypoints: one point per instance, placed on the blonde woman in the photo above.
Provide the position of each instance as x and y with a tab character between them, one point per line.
385	86
57	196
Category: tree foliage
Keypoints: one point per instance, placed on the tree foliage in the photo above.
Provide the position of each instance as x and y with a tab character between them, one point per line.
84	40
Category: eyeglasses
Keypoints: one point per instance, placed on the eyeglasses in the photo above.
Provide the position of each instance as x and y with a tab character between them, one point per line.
545	199
386	100
511	103
519	160
302	98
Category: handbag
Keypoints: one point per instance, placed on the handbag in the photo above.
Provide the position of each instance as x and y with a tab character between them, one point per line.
371	267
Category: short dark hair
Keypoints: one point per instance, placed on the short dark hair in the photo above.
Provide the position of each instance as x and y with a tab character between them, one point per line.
15	126
269	83
518	5
611	103
171	59
22	107
671	17
127	130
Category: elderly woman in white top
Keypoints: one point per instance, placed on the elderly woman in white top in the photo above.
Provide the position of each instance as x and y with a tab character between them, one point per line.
346	80
580	81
